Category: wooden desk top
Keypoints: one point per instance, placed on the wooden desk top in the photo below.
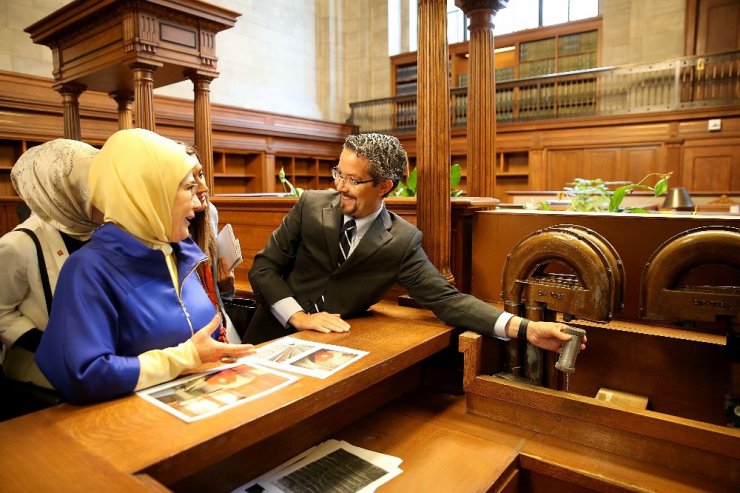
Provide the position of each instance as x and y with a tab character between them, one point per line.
129	435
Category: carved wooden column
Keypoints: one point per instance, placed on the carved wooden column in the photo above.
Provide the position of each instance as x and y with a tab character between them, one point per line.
481	178
144	95
433	135
71	108
202	116
124	99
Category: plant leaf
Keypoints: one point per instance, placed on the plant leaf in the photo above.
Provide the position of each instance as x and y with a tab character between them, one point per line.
661	186
411	183
285	181
455	173
617	197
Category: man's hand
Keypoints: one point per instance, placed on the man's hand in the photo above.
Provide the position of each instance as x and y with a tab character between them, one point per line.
545	335
320	322
211	350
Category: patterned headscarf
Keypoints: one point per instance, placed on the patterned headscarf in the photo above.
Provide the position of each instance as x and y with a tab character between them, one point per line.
134	179
51	179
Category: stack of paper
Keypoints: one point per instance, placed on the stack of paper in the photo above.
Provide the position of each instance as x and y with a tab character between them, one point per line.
331	467
229	247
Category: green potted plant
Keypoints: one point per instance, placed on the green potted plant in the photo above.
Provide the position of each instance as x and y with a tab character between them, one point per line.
288	186
408	189
596	196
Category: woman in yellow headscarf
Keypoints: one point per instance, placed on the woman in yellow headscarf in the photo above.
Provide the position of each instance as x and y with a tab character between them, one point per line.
129	305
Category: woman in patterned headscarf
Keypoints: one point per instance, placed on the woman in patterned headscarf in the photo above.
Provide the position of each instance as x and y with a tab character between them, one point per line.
52	180
129	306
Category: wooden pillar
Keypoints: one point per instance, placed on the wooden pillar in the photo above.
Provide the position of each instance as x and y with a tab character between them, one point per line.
202	117
144	95
433	135
71	109
124	100
481	177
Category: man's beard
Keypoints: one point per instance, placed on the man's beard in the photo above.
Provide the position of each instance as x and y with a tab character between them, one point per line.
350	210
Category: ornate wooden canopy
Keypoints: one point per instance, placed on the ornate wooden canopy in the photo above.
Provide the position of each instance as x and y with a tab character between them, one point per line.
126	48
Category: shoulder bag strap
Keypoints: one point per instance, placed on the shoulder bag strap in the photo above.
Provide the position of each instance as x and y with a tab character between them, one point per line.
42	267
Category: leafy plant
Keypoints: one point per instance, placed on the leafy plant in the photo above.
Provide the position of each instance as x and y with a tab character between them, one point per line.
408	189
660	187
294	191
596	196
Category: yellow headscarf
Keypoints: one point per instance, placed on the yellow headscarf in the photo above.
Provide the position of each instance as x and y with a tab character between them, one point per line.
134	179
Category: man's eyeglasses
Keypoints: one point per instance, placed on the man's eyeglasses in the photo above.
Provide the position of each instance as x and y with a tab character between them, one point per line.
352	182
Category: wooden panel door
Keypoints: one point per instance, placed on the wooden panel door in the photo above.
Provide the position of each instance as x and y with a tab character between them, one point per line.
563	166
717	26
609	164
711	168
640	162
604	164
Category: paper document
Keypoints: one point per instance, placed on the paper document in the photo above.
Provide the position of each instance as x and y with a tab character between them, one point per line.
229	247
204	394
310	358
331	467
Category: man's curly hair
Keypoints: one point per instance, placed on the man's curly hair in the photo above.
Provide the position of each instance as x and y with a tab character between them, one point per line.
387	160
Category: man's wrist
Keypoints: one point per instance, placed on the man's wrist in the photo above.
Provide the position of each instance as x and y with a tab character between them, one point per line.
522	332
296	318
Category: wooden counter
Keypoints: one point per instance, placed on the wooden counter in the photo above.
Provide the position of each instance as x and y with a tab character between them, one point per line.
91	447
375	403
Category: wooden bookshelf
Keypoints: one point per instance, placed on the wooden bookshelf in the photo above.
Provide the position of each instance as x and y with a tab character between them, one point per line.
512	172
10	151
306	172
237	172
530	53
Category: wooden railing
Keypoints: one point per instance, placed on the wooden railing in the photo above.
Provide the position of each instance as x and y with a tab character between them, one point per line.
682	83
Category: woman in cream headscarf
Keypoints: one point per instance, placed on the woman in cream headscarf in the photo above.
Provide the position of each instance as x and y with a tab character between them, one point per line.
129	306
52	179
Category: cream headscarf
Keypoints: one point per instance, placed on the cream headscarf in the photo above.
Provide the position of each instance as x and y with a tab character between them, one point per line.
134	180
52	180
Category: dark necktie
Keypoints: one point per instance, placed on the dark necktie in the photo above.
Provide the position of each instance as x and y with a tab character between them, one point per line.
345	239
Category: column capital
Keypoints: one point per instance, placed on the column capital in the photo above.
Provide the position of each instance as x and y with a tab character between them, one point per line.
71	88
144	66
123	96
469	6
197	75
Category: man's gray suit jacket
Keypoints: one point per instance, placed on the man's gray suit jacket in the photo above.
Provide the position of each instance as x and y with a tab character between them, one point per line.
300	260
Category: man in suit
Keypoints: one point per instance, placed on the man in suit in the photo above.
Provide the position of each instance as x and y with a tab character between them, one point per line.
312	273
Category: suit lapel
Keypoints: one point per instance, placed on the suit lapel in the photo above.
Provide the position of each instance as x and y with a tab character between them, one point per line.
331	220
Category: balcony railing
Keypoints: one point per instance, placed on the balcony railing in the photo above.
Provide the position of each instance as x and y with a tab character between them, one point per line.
681	83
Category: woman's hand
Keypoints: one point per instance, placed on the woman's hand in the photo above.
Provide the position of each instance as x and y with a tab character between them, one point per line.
225	276
211	350
320	322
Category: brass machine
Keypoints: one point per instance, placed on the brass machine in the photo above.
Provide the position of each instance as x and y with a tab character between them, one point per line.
568	269
669	294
